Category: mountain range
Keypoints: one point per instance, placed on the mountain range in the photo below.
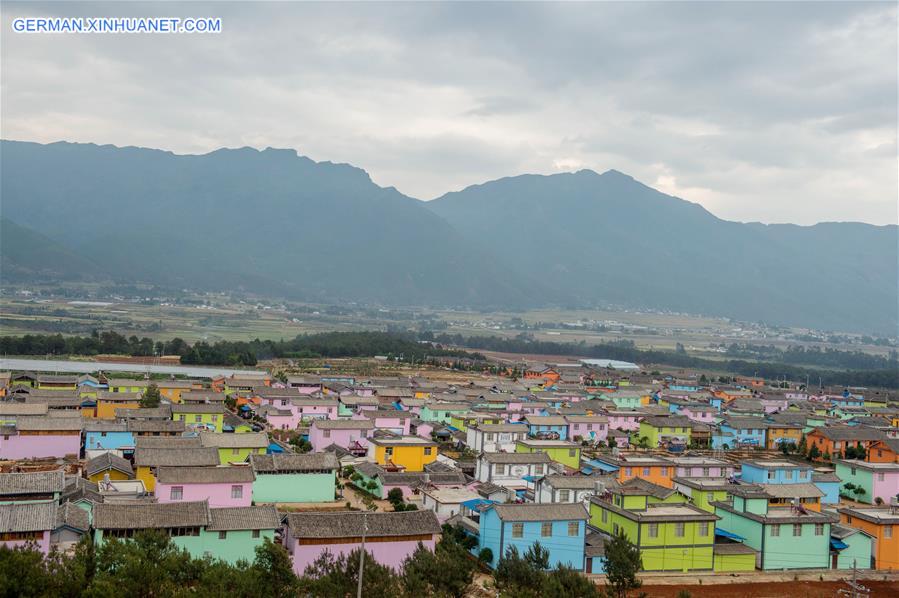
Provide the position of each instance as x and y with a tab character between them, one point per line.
277	223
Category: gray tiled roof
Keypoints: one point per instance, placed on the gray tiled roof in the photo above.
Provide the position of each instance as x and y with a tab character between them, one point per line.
570	482
198	408
147	442
150	515
343	424
27	517
542	512
49	423
243	518
69	515
107	461
39	482
155	425
517	458
236	474
282	462
232	440
157	457
351	524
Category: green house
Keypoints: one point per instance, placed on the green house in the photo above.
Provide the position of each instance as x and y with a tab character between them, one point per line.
671	535
851	547
127	385
294	478
235	448
229	534
200	416
442	412
561	451
702	492
660	429
786	537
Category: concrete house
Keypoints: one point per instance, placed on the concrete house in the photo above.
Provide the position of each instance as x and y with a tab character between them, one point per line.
294	478
235	448
38	437
221	486
510	469
565	489
31	487
493	438
24	523
882	524
879	480
346	433
389	537
149	460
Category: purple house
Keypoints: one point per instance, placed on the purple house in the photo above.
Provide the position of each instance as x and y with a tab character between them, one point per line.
35	437
22	524
389	537
393	420
305	385
704	414
594	428
230	486
309	408
350	434
625	420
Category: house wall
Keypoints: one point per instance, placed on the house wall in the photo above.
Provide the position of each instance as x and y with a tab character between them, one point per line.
238	455
563	549
114	474
668	552
296	487
42	545
219	495
342	438
237	545
106	409
206	421
391	554
861	477
413	458
19	446
886	550
108	440
859	552
724	563
657	474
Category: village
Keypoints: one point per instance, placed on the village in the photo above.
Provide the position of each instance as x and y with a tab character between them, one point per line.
702	477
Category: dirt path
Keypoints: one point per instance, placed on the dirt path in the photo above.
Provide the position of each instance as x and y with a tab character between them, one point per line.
792	589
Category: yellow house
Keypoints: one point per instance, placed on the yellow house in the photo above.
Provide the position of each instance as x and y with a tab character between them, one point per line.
108	464
172	389
235	448
108	402
409	452
783	434
126	385
148	460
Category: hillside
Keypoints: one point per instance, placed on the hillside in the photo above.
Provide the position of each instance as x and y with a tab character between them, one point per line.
282	224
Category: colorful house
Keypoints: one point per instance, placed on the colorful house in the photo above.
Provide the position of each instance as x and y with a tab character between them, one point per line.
879	480
547	427
35	437
783	434
832	441
229	534
149	460
671	535
565	488
559	527
739	432
108	402
108	466
786	537
592	428
389	537
660	430
884	451
850	548
221	486
411	453
22	524
104	436
346	433
200	416
490	438
31	487
442	412
560	451
294	478
703	492
652	469
701	467
509	470
882	523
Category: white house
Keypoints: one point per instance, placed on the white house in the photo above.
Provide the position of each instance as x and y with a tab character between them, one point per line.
494	438
446	502
509	469
565	489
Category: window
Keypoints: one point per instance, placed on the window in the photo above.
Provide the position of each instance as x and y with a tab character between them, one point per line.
679	529
176	493
517	530
797	529
574	528
546	529
770	475
577	426
326	433
888	531
605	516
388	451
704	528
665	471
235	451
705	471
223	535
489	436
819	529
538	469
788	474
428	450
653	530
572	452
198	419
710	496
255	533
564	495
215	418
646	471
614	528
500	469
853	471
237	491
775	530
880	477
628	471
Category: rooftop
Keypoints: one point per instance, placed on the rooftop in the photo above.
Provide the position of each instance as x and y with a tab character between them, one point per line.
351	524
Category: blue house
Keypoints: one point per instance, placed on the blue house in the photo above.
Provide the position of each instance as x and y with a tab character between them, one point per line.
560	528
547	427
107	436
735	432
784	471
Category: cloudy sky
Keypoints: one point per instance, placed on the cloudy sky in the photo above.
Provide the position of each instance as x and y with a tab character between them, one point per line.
760	111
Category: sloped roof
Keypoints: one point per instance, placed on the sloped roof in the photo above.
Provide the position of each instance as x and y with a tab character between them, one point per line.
542	512
517	458
243	518
72	516
150	515
157	457
231	440
205	475
293	462
107	461
351	524
27	517
170	442
38	482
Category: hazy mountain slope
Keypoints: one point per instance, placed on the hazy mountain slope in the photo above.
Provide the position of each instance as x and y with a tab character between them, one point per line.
26	254
268	220
610	238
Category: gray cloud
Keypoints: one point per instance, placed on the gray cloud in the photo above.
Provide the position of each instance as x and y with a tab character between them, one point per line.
759	111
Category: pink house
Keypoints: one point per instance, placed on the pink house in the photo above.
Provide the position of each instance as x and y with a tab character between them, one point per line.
27	523
699	413
594	428
625	420
351	434
702	467
397	422
308	408
37	437
390	537
278	418
305	385
230	486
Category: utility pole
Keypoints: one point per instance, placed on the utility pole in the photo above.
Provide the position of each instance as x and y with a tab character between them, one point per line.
856	590
362	553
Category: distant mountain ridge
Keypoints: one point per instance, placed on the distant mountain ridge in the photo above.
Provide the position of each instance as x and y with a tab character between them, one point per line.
283	224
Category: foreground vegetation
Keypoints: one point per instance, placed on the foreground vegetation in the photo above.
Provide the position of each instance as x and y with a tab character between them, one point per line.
151	566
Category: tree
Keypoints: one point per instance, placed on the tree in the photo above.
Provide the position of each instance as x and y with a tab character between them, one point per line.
813	452
518	576
151	396
395	496
338	576
485	555
446	572
566	581
22	572
802	449
622	564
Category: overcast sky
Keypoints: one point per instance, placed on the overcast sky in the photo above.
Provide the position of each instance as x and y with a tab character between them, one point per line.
760	111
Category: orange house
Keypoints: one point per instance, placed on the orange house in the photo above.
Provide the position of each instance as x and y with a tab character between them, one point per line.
884	451
834	440
108	402
883	524
652	469
748	381
544	373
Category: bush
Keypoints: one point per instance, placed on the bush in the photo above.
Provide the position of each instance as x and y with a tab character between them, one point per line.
486	555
